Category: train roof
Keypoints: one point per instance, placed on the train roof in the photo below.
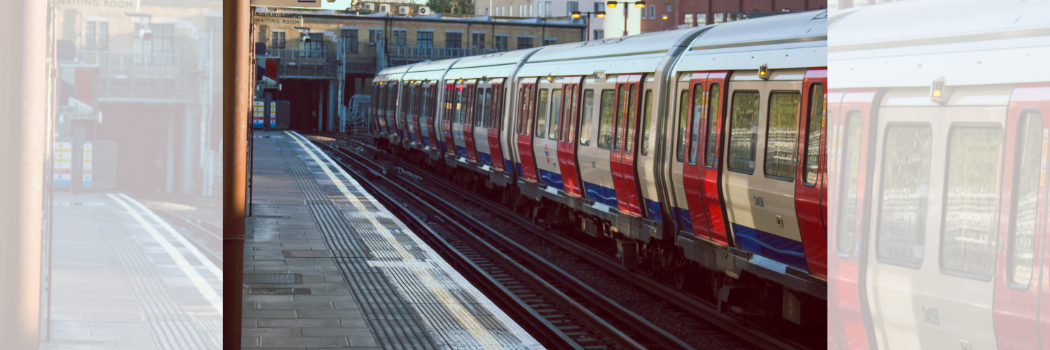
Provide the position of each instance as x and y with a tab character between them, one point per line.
440	65
792	40
641	53
968	42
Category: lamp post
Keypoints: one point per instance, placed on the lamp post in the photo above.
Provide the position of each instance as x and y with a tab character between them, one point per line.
662	19
638	4
578	14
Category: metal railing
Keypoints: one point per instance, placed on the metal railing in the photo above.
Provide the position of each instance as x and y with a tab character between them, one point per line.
304	63
357	114
436	52
140	76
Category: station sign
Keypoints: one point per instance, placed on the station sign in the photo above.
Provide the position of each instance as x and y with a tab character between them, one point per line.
288	3
121	5
276	19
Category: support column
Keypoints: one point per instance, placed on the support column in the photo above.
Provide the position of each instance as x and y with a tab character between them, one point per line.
236	76
169	163
320	107
188	152
23	144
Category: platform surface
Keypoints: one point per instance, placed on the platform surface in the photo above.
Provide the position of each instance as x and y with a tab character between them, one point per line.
124	278
344	272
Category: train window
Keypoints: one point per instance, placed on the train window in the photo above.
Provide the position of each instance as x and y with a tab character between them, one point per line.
1025	210
648	110
683	120
521	110
541	113
585	118
481	113
617	113
632	110
567	119
714	99
460	106
694	137
816	123
497	112
851	173
782	135
743	131
970	203
605	121
901	233
555	114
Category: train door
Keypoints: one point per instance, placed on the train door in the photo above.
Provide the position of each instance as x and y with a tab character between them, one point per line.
423	98
376	123
679	131
449	116
404	110
391	109
430	112
460	115
479	131
544	140
625	177
494	123
470	113
645	160
596	128
412	114
693	120
851	127
810	196
1020	277
567	136
527	167
710	178
761	162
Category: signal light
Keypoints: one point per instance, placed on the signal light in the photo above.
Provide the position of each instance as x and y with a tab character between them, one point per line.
937	91
763	72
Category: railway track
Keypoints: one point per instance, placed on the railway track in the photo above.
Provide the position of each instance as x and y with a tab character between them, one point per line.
694	305
564	310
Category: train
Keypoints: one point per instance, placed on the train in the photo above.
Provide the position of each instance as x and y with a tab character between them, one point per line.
700	151
938	189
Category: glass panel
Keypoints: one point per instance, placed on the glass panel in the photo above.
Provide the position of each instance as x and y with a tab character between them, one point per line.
620	101
683	122
541	113
905	188
605	123
851	174
567	119
585	121
743	131
710	154
971	201
479	108
458	105
648	112
1025	199
555	114
782	135
632	109
698	107
521	110
816	124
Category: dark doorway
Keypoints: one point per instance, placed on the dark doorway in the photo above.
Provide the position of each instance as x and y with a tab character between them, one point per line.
303	96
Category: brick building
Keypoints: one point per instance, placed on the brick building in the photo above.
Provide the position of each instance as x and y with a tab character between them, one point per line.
346	49
694	12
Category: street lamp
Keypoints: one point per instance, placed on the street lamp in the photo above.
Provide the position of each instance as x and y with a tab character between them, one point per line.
578	14
613	4
662	19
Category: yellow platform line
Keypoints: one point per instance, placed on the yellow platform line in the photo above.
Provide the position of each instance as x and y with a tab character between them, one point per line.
467	320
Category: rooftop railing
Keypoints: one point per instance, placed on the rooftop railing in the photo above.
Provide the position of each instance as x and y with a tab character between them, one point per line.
140	76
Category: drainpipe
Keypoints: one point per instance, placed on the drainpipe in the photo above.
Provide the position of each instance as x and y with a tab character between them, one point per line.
23	92
236	56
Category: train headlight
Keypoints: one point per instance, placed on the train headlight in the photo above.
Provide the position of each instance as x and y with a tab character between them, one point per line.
937	91
763	72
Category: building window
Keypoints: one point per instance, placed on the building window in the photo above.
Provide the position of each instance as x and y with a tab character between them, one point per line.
477	41
400	38
521	10
669	8
350	40
599	34
314	48
276	40
486	11
96	35
718	18
547	9
547	42
572	6
162	42
599	6
524	43
701	19
688	20
652	11
373	35
453	40
424	39
501	43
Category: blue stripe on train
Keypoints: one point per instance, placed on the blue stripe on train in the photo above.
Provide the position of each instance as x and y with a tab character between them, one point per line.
652	209
441	146
485	158
521	173
685	221
461	151
766	244
601	194
551	179
426	141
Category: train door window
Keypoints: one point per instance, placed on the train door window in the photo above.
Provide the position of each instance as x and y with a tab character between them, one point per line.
683	123
567	120
901	234
714	101
496	118
1025	210
425	104
971	198
694	137
632	104
851	174
555	114
588	112
648	112
479	108
541	113
743	132
617	113
816	122
521	111
782	135
605	121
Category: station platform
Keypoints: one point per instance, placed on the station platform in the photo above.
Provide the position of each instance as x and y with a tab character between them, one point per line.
125	278
326	265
